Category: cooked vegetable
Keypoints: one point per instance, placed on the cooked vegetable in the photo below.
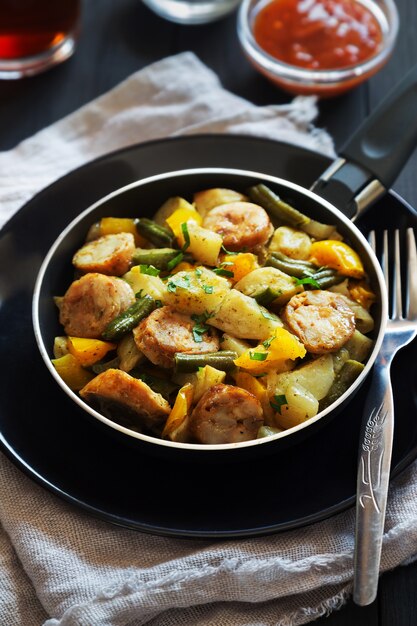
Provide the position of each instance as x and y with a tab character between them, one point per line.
197	291
169	207
273	353
128	353
158	257
145	281
242	317
113	225
317	376
72	372
337	255
130	318
89	351
222	360
299	406
347	375
269	285
153	232
176	425
204	245
292	242
276	207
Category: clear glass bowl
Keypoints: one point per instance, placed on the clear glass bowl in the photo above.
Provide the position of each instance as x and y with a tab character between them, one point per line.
324	83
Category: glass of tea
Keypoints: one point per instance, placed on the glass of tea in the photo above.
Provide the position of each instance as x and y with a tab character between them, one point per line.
36	35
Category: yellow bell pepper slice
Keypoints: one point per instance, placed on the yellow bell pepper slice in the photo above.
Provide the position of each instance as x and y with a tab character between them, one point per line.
179	411
72	372
89	351
337	255
272	354
113	225
181	216
240	264
256	388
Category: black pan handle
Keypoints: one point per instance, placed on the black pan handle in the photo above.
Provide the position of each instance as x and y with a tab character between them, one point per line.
372	158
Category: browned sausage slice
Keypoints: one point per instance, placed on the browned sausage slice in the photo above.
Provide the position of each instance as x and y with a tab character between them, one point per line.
241	224
110	254
322	320
165	332
93	301
226	414
127	399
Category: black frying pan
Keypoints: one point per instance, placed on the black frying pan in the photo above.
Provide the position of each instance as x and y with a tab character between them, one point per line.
366	168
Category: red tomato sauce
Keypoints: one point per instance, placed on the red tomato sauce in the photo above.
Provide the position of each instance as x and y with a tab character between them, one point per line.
318	34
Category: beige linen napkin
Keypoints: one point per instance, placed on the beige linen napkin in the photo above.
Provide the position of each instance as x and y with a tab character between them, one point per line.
60	567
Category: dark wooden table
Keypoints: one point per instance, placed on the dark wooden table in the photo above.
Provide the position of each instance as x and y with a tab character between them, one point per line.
120	37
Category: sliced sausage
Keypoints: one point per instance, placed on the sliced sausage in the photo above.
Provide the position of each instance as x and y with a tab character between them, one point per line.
241	224
128	400
93	301
165	332
226	414
322	320
110	254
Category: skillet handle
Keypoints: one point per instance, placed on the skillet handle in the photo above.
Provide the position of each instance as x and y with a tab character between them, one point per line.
374	156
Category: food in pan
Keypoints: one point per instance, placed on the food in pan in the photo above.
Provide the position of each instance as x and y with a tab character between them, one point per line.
227	317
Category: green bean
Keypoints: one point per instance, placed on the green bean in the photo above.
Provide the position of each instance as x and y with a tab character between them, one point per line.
266	198
292	267
327	277
347	375
153	232
158	257
222	360
130	318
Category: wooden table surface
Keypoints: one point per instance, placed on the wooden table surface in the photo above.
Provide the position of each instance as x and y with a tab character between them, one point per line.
120	37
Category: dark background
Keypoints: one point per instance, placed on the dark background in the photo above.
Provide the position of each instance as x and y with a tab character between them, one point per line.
118	37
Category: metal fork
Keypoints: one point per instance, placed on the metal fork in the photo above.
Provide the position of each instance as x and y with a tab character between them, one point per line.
378	422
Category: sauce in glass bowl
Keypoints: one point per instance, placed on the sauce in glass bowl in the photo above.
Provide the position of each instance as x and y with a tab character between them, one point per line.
318	34
320	47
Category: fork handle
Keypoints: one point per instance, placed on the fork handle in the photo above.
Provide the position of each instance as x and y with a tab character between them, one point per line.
372	483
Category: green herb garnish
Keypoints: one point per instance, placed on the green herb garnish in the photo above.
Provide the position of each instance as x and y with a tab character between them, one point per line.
150	270
175	261
278	402
186	235
308	280
258	356
200	327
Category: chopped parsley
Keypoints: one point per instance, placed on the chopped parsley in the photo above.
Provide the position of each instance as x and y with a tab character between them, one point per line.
278	402
308	280
208	288
200	327
266	344
186	235
175	261
150	270
258	356
178	281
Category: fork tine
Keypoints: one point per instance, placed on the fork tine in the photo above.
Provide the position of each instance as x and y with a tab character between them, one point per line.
397	307
411	275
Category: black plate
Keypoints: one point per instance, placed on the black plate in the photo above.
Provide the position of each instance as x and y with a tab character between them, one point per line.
57	445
